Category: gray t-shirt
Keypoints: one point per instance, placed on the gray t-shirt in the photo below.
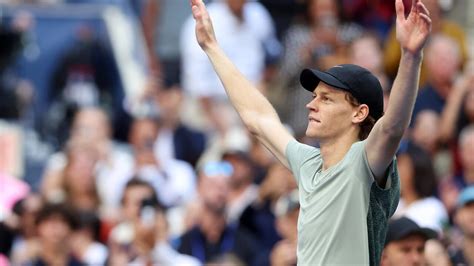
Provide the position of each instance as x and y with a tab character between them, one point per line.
343	213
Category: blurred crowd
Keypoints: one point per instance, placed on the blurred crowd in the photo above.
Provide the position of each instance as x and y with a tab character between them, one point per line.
178	180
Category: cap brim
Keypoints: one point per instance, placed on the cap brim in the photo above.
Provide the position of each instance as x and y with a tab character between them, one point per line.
423	231
310	78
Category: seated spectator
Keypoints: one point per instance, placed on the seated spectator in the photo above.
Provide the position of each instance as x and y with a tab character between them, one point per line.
85	240
464	218
78	187
114	166
418	185
405	243
211	236
174	180
425	131
54	224
18	229
366	51
25	240
440	78
426	135
242	191
142	237
164	100
258	216
176	139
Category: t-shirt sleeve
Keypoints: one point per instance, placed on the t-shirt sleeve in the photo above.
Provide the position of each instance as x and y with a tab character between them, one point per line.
297	155
389	195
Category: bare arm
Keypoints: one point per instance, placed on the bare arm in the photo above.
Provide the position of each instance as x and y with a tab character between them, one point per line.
412	33
255	110
149	18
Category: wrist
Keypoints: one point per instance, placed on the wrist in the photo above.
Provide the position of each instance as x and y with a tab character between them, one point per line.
211	47
412	56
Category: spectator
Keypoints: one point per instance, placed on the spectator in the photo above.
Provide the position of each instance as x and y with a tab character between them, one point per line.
366	51
242	189
211	236
450	187
243	26
147	240
174	180
459	109
405	243
78	187
257	217
464	218
55	224
176	139
21	236
85	240
425	131
440	25
286	211
84	76
440	79
418	185
114	166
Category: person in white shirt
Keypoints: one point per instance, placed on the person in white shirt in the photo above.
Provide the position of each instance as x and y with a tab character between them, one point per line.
242	28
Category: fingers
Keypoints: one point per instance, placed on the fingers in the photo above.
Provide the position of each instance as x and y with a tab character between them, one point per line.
197	8
413	5
400	9
426	18
422	8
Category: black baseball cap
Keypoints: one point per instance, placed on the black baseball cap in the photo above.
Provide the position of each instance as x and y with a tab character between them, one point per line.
403	227
356	80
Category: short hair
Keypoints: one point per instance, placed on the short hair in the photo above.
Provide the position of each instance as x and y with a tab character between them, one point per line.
137	182
65	212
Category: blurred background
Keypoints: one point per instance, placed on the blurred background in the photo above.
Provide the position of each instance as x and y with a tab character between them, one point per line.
118	145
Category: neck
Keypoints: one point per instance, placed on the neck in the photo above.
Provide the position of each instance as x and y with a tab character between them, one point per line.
55	254
334	150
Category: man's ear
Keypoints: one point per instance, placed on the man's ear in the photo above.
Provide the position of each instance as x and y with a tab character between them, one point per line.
360	113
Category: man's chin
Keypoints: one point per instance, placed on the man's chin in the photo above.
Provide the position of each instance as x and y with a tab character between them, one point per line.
311	133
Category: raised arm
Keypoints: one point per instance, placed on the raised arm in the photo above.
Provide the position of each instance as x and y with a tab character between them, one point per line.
384	139
255	110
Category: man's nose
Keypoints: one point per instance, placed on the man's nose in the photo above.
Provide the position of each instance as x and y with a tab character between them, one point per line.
313	104
417	258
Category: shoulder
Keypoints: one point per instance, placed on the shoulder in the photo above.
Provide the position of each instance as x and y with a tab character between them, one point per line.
297	149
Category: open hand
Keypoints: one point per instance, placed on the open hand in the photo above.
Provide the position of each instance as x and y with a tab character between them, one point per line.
412	31
204	30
